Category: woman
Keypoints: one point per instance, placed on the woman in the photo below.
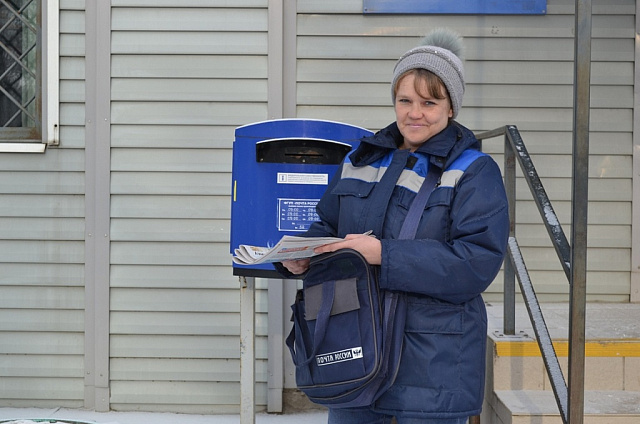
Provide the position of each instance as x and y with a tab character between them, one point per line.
458	248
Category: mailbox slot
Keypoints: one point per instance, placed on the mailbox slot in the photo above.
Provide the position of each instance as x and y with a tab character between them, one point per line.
301	150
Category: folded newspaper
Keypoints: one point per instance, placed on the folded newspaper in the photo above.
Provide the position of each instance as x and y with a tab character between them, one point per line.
289	247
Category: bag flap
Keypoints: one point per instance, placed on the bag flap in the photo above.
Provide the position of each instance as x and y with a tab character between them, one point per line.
345	299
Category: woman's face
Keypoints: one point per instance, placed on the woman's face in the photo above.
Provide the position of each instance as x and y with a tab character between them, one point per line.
418	117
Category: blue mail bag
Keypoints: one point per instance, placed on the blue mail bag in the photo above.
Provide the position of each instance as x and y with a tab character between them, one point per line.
347	335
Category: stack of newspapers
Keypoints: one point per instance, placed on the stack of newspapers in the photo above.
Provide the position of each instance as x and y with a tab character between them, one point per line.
288	248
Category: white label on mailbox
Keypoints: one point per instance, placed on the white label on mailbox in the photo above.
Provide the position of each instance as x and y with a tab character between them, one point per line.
299	178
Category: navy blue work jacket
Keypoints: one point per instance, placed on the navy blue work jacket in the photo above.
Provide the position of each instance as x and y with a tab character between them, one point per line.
457	252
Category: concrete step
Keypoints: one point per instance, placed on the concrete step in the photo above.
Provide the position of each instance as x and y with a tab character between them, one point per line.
539	407
612	348
515	363
518	390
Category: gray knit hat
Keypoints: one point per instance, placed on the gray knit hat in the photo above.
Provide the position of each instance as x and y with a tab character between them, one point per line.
439	53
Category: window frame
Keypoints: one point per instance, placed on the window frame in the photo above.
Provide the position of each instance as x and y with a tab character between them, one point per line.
17	140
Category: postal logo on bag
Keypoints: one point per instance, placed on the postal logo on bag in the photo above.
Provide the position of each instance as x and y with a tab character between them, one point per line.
339	356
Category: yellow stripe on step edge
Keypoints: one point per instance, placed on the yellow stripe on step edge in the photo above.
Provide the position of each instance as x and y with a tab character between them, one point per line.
599	348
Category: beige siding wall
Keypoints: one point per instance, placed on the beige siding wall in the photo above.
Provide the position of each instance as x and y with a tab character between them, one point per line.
519	71
184	75
42	250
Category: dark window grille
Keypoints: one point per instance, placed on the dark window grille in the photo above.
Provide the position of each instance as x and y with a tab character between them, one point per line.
20	70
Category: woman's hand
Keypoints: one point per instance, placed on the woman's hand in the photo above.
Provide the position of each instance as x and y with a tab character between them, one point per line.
368	246
297	266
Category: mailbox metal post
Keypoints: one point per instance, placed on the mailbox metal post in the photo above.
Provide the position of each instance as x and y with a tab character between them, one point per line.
247	350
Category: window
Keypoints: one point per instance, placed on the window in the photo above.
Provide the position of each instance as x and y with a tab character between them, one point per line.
28	74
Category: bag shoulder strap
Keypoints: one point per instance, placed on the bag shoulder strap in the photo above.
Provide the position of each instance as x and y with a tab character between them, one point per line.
410	224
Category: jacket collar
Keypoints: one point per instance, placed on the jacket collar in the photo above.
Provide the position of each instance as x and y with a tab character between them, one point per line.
443	148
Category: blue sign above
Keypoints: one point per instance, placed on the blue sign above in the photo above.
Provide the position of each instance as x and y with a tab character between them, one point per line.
473	7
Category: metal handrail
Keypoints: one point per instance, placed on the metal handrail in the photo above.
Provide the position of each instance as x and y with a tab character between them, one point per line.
516	150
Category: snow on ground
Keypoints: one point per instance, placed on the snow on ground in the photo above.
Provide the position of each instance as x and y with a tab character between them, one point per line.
36	416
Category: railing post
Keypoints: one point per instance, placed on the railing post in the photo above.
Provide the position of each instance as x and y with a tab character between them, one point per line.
580	203
509	319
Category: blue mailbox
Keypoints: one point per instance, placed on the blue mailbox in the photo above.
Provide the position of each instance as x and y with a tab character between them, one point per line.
281	168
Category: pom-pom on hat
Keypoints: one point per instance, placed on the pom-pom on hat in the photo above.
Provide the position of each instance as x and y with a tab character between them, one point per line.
439	53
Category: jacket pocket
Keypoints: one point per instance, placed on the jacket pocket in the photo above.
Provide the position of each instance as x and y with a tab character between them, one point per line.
353	187
431	316
434	223
441	196
354	205
434	334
